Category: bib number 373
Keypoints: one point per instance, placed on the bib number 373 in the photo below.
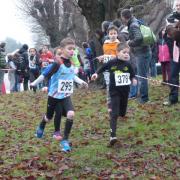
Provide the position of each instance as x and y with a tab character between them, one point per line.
122	79
65	86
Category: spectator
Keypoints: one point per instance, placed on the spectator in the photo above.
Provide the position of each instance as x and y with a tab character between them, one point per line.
175	63
89	56
110	52
164	55
141	52
104	27
34	66
46	58
18	73
24	66
77	61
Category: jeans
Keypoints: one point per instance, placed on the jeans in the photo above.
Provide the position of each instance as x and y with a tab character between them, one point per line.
133	88
133	91
175	69
153	69
143	60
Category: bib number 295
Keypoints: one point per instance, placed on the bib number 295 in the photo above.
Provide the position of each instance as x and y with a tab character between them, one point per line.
65	86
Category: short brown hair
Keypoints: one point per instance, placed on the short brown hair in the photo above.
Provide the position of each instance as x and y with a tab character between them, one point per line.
56	49
122	46
112	27
126	13
67	41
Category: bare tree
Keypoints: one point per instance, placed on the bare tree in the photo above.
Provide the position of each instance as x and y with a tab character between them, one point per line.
54	17
60	18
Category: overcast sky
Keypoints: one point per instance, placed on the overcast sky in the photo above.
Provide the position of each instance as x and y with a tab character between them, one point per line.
11	25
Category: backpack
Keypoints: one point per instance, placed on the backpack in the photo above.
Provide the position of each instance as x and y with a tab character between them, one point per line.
163	54
149	37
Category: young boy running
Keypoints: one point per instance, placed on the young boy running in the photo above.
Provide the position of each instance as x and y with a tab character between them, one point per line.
61	76
121	75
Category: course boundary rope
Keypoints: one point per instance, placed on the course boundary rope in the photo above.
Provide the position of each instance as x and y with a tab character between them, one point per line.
154	80
7	69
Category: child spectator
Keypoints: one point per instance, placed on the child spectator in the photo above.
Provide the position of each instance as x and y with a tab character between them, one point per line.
46	58
87	69
164	55
34	65
109	49
77	61
89	55
121	76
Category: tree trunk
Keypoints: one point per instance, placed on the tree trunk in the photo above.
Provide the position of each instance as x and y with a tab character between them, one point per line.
153	12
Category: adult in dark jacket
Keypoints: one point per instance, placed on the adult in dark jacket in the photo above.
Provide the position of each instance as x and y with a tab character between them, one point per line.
25	65
175	65
141	52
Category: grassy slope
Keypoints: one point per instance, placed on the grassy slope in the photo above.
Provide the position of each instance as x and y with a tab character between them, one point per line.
148	146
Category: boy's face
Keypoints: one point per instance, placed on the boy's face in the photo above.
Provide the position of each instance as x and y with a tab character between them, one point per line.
45	49
58	54
112	35
68	51
124	54
177	6
32	52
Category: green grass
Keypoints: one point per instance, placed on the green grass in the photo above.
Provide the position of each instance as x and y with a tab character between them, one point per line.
148	139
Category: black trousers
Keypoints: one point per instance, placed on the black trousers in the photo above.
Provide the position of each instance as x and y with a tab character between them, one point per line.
60	107
119	103
174	79
33	74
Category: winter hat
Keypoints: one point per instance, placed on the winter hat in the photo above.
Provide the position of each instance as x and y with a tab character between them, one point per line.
25	46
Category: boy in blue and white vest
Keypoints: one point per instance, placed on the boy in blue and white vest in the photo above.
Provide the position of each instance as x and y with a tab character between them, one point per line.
61	75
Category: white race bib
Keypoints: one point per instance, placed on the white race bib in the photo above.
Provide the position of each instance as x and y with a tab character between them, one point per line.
32	65
122	79
107	58
65	86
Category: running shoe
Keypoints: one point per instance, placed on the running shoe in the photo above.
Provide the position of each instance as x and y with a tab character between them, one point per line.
57	135
113	140
39	132
65	146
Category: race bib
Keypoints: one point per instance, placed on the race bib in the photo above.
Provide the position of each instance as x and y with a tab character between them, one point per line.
32	65
65	86
122	79
107	58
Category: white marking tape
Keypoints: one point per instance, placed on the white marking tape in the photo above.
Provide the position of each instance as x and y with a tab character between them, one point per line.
157	81
7	69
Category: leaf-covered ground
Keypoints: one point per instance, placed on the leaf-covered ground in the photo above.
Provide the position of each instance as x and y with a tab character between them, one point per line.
148	139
